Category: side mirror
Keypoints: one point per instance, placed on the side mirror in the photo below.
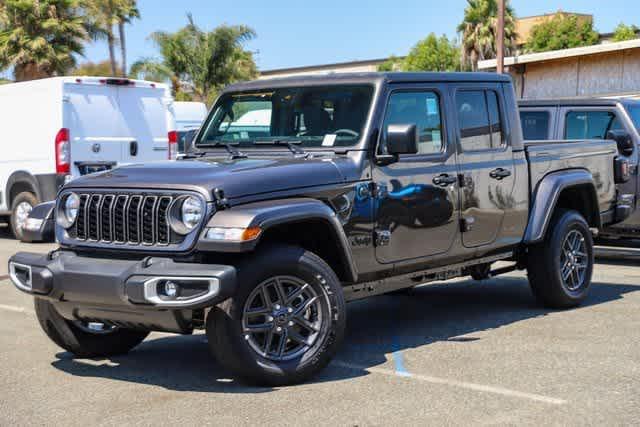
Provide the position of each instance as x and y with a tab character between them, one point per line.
402	139
188	140
623	140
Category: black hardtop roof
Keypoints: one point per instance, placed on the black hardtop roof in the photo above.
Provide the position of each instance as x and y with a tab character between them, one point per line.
360	78
579	102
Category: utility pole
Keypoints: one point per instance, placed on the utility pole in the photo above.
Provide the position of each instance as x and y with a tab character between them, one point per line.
500	38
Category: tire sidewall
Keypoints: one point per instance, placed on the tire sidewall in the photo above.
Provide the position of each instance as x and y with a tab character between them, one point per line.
287	261
569	221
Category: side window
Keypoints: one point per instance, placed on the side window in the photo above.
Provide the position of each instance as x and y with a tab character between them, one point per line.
421	108
590	124
479	120
535	125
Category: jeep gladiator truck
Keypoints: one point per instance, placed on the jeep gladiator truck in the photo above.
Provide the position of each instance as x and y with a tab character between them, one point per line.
344	187
577	119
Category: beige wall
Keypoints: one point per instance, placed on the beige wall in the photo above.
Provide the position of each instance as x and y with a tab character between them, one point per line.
592	75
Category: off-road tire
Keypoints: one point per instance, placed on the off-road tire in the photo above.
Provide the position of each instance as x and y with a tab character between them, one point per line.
544	262
23	197
81	343
225	333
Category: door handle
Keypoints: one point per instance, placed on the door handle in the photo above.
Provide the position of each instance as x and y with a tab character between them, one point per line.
499	174
133	148
444	180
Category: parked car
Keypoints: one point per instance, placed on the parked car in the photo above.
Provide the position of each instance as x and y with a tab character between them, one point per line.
577	119
366	184
188	118
61	128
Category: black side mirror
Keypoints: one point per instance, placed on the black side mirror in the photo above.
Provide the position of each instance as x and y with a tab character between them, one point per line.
402	139
623	140
188	140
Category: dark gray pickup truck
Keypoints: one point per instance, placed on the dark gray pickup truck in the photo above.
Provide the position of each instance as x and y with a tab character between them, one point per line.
304	193
580	118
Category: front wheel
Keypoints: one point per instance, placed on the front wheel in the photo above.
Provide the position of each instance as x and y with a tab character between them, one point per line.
560	268
21	207
285	322
85	339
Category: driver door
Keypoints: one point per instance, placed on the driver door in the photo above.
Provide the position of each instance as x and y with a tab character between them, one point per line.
417	202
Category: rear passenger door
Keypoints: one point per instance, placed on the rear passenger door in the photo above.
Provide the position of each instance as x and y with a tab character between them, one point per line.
485	163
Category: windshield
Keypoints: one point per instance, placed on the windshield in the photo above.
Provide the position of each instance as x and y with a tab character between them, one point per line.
316	116
634	112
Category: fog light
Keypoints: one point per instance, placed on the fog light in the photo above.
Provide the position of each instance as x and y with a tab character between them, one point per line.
171	289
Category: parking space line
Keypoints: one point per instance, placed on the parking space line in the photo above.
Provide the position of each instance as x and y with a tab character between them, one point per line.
454	383
15	309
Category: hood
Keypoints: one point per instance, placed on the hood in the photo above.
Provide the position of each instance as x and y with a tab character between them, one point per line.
238	178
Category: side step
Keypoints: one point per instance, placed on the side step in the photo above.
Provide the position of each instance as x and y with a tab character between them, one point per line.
390	284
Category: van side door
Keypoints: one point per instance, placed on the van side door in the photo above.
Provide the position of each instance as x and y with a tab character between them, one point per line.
485	162
416	203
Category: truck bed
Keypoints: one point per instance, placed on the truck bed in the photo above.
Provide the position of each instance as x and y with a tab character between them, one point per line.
596	156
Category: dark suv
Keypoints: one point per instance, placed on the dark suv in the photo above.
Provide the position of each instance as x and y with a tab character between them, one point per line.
304	193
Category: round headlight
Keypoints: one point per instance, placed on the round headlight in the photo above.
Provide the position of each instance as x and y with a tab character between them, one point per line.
192	212
186	214
68	210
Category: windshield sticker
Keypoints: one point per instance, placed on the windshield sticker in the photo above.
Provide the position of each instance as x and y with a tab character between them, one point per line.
329	140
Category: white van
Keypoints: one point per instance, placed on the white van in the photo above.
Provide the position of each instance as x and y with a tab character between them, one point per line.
59	128
189	116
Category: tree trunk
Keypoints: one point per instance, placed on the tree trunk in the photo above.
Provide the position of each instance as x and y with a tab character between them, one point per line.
112	53
123	48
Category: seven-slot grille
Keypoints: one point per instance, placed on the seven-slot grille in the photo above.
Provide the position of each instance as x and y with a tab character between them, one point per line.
132	219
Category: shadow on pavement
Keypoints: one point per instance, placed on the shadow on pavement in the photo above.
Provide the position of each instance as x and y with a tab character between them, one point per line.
377	327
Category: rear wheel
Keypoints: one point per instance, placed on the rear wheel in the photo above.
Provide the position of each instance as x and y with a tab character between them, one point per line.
21	207
285	322
85	339
560	268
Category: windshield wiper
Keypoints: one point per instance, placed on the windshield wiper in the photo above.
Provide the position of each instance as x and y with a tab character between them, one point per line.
233	151
292	145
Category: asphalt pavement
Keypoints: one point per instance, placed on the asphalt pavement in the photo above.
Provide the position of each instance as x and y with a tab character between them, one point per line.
450	354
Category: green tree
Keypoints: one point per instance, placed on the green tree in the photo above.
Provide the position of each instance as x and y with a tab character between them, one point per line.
625	32
478	31
99	69
205	61
41	38
433	54
561	32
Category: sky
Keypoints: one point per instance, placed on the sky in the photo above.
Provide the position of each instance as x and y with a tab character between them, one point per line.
307	32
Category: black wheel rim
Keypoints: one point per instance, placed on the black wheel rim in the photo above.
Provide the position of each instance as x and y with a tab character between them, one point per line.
283	318
574	261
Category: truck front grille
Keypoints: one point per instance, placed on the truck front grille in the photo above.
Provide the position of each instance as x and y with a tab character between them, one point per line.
127	219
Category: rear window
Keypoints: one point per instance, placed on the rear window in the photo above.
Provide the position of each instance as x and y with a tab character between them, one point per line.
590	124
535	125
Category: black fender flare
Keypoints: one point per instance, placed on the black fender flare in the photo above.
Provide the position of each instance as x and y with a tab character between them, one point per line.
271	213
22	177
546	198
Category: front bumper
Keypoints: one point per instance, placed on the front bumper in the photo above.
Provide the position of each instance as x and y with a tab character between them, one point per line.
125	292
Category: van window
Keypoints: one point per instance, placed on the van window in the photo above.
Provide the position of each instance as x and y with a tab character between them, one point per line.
535	125
590	124
479	120
421	109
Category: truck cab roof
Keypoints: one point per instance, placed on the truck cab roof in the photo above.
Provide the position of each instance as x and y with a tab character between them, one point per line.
372	78
582	102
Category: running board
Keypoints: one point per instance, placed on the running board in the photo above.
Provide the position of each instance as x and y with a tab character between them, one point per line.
409	280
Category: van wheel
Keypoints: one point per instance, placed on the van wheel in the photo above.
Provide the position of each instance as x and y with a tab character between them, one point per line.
21	207
85	339
285	322
560	268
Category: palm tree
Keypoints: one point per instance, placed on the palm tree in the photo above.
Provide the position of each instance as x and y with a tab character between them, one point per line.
126	11
478	31
103	18
204	60
41	38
